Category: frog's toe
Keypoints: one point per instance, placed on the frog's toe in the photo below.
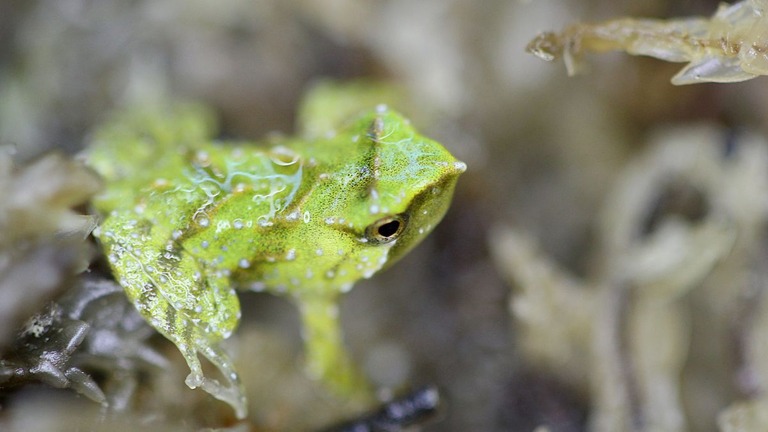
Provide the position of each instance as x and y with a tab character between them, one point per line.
232	394
231	391
194	380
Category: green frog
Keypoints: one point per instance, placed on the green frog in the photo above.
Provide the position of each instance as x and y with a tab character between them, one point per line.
187	220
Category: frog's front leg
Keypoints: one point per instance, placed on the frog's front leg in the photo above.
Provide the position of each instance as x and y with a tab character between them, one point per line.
326	357
193	308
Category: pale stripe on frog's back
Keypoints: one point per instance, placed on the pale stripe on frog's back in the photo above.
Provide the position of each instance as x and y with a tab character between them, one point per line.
239	194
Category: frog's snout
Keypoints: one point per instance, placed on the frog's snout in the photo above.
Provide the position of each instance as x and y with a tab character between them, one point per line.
459	167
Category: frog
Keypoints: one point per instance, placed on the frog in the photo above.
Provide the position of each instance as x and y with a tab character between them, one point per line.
188	220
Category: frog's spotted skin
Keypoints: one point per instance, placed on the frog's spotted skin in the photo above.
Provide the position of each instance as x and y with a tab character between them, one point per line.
187	219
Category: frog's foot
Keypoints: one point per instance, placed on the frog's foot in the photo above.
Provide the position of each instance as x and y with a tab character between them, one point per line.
337	372
231	391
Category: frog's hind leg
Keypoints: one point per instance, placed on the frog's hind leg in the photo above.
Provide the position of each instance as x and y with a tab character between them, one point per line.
193	337
169	290
203	333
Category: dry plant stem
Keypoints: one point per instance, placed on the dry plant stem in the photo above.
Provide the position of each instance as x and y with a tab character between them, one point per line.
751	414
616	405
658	369
638	358
555	310
729	47
635	36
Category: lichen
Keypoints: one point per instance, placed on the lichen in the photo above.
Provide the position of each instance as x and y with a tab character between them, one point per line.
688	207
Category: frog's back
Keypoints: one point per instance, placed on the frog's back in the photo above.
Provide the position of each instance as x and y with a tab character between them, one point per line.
162	169
139	148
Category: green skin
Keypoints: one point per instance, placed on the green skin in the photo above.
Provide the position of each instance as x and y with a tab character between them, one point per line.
187	219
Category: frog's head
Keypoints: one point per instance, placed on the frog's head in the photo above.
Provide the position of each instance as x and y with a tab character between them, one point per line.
391	186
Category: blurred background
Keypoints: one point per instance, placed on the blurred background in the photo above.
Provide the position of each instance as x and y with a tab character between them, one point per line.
543	152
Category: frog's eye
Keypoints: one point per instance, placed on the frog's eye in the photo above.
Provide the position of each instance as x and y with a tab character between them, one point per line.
386	229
